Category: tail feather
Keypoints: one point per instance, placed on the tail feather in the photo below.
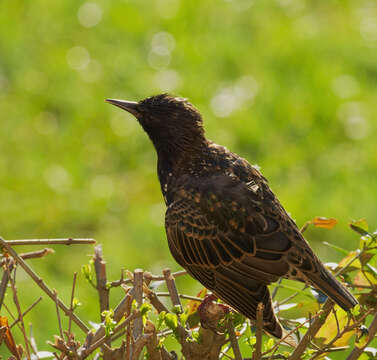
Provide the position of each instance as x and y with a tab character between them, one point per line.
327	283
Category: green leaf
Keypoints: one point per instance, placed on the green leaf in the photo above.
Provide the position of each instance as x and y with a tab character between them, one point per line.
145	308
86	270
75	303
171	321
355	311
108	321
176	309
360	226
160	320
338	248
184	317
269	344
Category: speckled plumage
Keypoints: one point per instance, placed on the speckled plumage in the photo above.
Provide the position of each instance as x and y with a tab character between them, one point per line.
223	223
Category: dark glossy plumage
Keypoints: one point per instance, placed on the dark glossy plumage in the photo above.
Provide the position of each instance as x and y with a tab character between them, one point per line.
223	223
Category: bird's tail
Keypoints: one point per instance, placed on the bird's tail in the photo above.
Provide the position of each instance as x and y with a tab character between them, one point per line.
327	283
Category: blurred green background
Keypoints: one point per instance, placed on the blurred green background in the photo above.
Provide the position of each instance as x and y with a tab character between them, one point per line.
288	84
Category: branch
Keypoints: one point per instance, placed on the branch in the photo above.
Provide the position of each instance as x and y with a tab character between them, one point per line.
17	303
43	285
26	311
169	279
356	352
138	296
68	241
257	355
313	329
101	341
103	291
71	302
233	341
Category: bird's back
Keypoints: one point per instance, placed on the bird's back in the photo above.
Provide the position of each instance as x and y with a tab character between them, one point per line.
227	228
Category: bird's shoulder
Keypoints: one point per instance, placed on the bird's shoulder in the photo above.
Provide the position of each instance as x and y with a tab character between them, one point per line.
218	171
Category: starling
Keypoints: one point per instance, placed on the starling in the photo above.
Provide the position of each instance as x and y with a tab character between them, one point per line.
223	223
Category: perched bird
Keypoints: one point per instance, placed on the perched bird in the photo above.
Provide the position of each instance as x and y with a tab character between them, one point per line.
223	223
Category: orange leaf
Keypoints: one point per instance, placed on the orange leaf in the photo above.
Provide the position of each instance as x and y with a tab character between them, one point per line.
329	328
8	338
348	258
325	223
193	305
360	279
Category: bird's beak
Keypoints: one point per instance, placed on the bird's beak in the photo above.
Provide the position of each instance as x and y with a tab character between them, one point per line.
130	106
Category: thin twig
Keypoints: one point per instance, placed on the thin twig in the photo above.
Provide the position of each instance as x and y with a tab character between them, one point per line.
257	355
37	254
68	241
118	328
342	269
71	302
8	262
313	329
43	285
26	311
33	343
182	296
120	281
174	274
58	313
154	300
122	309
287	335
276	288
17	303
357	351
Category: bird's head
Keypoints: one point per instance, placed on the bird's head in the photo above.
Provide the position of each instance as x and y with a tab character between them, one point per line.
171	122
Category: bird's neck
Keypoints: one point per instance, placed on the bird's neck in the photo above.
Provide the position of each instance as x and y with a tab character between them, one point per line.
175	161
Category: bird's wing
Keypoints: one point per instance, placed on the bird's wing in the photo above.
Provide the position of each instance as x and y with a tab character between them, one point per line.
221	221
231	239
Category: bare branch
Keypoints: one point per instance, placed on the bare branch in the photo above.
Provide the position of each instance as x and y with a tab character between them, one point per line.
138	296
314	328
58	313
17	303
26	311
103	291
172	288
101	341
182	296
71	302
233	340
152	341
43	285
138	345
8	263
68	241
257	355
174	274
357	351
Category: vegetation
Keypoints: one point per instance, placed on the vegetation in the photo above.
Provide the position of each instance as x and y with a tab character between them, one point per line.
199	328
288	84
